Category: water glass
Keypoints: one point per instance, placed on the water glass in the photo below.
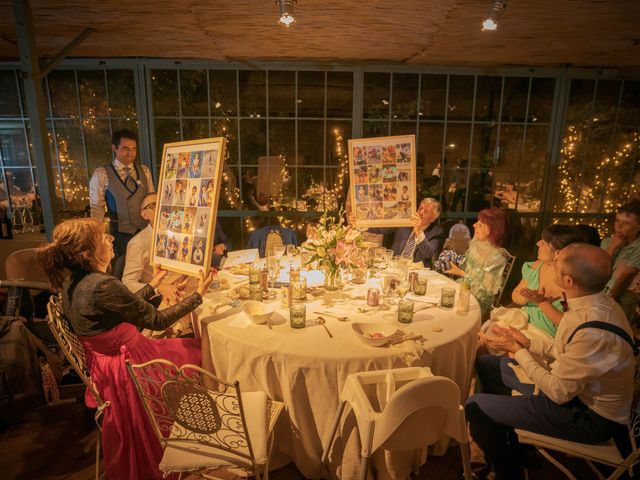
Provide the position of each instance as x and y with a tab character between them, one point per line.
254	274
420	285
273	267
298	315
299	289
405	311
256	292
447	297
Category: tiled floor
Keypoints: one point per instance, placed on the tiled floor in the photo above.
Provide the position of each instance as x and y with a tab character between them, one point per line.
48	443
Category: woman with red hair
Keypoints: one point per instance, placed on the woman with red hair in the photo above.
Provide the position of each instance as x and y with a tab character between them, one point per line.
485	260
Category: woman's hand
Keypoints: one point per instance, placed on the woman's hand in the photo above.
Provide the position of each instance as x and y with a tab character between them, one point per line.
205	280
536	296
455	270
172	293
158	274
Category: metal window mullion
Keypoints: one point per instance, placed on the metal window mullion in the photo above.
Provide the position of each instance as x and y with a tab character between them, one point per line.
295	140
633	164
417	121
325	136
146	113
106	92
523	140
587	138
473	116
445	122
613	136
266	86
180	105
209	103
390	103
80	117
55	143
26	138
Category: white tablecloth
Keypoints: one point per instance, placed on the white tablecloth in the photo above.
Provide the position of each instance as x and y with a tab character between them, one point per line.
307	370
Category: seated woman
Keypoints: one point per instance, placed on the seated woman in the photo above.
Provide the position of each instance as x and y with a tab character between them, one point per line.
106	316
484	262
537	292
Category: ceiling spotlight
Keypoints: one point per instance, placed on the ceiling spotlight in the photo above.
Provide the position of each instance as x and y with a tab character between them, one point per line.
286	12
491	22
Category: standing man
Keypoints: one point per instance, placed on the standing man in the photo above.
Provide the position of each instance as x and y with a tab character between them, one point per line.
585	393
121	186
419	242
624	248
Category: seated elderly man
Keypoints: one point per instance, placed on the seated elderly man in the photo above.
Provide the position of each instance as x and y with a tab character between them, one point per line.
585	395
420	242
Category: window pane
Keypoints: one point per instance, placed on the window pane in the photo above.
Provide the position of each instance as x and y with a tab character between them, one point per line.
310	142
629	113
483	153
193	129
580	100
122	93
223	127
308	180
480	190
534	157
69	138
456	144
13	148
98	144
93	94
75	184
167	131
193	93
510	148
460	97
405	95
376	95
607	96
230	189
429	167
62	88
514	100
433	97
375	129
223	92
253	97
541	101
9	103
164	89
338	134
339	94
20	184
282	98
488	98
4	193
282	136
310	94
122	123
253	140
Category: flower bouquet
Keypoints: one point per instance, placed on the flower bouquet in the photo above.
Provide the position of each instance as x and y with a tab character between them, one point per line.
334	245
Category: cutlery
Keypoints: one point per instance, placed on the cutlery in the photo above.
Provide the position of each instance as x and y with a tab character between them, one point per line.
321	321
337	317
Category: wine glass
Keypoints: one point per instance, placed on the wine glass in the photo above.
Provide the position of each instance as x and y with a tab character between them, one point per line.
279	251
273	268
389	286
291	249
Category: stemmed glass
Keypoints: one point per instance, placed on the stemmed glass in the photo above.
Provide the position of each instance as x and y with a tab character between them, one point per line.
389	286
279	251
273	268
291	249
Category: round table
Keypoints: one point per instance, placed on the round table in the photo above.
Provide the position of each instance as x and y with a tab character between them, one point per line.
306	369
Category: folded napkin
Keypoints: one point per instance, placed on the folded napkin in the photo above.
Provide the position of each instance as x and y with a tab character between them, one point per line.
422	298
410	344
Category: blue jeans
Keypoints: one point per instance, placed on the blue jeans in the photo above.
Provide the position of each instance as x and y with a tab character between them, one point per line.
494	415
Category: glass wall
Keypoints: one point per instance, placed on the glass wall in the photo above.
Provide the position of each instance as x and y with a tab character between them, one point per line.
84	107
482	138
286	134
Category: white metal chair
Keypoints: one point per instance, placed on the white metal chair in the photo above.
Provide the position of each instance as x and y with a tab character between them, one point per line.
73	350
204	430
417	409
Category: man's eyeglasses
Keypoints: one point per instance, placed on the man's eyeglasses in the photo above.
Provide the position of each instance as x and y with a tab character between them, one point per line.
150	205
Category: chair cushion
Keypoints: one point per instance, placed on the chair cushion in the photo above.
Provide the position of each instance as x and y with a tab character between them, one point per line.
184	455
604	453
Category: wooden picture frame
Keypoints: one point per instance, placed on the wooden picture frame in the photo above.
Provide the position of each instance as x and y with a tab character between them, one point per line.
188	191
383	180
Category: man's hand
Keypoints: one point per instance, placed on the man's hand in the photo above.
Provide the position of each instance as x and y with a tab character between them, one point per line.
219	249
537	296
617	241
507	339
416	223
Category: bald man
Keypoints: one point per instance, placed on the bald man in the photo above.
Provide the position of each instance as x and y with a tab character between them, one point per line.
586	392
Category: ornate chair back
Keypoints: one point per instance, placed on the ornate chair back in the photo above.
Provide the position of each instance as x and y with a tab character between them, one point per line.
505	276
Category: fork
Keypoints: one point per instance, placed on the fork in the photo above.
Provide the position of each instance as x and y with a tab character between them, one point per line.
337	317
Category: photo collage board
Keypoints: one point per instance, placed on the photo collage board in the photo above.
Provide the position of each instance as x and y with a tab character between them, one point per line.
383	180
188	193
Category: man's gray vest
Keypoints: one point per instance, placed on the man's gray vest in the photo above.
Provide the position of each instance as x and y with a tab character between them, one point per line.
123	202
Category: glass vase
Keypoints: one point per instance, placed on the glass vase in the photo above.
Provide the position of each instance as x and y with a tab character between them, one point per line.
331	279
